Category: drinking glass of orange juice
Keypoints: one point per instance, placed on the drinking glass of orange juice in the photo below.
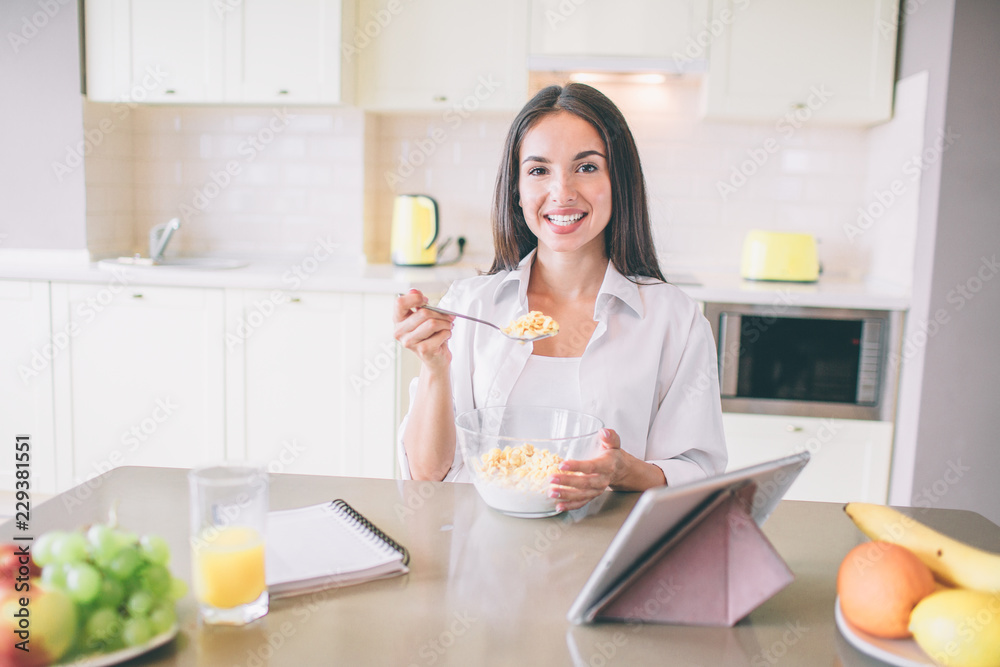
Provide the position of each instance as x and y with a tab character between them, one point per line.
229	506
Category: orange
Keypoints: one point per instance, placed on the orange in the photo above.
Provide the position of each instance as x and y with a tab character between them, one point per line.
879	584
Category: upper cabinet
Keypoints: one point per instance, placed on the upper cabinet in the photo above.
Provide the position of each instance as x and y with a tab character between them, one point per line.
279	51
227	51
818	61
624	35
176	51
764	60
453	55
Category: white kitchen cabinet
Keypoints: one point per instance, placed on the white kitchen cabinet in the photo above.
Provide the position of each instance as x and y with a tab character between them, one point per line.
849	458
626	35
232	51
27	349
815	62
312	381
452	55
151	51
288	52
142	380
183	40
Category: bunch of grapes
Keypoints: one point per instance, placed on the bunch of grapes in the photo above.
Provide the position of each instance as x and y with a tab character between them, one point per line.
120	583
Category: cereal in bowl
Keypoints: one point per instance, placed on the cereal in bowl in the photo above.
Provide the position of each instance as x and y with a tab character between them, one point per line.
515	466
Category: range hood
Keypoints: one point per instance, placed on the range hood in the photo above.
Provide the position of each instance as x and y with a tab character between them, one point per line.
616	64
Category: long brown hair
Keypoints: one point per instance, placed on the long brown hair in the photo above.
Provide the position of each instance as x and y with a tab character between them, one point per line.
628	239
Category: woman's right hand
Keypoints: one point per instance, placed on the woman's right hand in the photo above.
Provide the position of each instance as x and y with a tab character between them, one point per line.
423	331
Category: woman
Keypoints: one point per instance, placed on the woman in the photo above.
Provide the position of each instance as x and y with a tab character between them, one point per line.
572	238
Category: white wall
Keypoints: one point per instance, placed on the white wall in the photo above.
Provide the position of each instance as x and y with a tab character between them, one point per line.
925	46
41	127
957	449
884	230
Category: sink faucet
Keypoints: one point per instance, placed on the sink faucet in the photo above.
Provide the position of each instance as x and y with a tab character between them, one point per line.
159	237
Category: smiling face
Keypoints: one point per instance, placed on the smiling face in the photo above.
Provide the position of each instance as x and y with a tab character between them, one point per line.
564	185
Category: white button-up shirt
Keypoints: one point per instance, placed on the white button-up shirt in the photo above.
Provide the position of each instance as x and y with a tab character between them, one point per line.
649	371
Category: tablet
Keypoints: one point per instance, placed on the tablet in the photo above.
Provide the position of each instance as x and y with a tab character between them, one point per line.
661	515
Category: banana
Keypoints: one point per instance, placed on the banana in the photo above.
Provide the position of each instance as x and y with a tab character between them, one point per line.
952	562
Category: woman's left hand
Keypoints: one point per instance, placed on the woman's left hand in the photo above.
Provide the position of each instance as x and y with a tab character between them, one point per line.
579	482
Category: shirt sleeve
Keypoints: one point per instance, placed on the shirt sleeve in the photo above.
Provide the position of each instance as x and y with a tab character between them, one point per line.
404	462
686	439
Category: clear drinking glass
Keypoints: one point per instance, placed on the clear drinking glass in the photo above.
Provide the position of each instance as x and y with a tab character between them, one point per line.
229	506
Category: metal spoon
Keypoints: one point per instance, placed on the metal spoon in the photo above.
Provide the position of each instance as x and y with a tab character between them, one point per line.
520	339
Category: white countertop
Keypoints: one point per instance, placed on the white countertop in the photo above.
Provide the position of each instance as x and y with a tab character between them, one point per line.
292	275
827	292
339	276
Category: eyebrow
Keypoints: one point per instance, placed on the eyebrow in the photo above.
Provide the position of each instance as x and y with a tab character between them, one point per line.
578	156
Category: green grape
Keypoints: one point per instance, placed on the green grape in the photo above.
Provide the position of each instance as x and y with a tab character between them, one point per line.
112	592
156	580
41	552
162	617
140	603
124	565
83	582
137	631
178	588
54	576
69	548
103	543
155	549
103	624
126	538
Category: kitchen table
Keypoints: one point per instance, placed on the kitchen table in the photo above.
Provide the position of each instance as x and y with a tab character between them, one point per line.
484	588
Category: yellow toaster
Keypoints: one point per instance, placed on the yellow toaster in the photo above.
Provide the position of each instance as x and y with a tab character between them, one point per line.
780	256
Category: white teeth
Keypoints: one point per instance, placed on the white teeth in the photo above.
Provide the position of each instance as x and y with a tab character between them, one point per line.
564	220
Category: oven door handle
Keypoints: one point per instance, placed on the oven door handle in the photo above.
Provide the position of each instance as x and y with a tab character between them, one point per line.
729	352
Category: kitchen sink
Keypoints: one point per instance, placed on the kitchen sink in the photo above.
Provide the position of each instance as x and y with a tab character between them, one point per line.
198	263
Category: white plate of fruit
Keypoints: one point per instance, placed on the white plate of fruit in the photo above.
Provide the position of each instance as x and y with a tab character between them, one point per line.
96	596
913	596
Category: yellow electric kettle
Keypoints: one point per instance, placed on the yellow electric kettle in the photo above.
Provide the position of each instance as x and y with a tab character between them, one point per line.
414	231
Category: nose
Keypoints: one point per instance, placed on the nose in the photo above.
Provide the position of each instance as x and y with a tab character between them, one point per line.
563	189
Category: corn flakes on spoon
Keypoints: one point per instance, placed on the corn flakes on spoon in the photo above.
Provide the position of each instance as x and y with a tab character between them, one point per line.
532	327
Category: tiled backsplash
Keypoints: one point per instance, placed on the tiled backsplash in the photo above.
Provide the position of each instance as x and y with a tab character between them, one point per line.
110	185
245	181
335	171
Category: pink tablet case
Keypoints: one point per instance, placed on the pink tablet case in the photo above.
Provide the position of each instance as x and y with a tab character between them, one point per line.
718	572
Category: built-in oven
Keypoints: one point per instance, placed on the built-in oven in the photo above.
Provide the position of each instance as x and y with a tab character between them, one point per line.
812	362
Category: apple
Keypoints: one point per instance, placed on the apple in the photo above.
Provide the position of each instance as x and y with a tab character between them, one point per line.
50	618
15	562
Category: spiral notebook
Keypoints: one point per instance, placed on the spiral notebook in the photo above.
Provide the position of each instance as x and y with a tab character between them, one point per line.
325	546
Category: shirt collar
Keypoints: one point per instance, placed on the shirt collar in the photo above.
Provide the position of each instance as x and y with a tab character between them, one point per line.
618	286
615	285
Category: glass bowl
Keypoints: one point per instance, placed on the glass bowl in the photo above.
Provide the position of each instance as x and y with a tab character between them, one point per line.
512	451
